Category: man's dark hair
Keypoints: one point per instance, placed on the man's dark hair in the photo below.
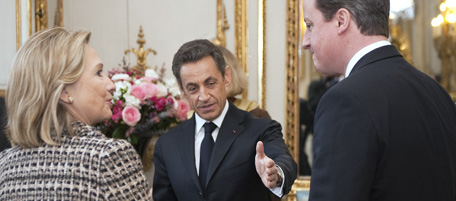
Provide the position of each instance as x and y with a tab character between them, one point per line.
194	51
371	16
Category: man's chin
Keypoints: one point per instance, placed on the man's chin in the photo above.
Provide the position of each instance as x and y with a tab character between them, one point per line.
209	116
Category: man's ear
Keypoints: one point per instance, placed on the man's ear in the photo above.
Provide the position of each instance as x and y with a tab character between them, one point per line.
227	76
343	18
64	96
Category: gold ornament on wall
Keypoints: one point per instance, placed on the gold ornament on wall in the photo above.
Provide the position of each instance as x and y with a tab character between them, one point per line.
444	32
222	24
141	53
41	20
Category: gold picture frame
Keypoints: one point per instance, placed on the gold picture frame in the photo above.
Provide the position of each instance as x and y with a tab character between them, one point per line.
36	14
300	190
241	44
292	83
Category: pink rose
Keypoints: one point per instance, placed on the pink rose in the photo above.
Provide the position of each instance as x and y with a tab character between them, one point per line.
138	92
160	104
182	109
131	115
151	89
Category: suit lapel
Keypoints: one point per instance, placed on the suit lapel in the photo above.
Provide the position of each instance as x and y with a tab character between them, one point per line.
187	149
375	55
231	128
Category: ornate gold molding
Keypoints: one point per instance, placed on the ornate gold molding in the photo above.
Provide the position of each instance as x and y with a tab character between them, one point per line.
29	17
141	53
262	53
292	64
41	15
300	185
58	21
18	25
241	39
2	93
222	24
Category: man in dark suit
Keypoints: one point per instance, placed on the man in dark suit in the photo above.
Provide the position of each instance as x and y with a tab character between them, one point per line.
4	143
385	132
247	161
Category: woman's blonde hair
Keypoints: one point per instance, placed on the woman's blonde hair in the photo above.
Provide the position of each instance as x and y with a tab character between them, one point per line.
43	66
239	81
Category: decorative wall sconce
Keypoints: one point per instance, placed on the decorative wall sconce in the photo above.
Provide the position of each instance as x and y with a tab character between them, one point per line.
444	32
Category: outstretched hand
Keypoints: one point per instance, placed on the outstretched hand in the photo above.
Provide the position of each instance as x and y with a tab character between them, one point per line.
265	167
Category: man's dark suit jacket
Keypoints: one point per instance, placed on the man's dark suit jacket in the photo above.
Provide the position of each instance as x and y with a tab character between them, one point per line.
4	143
232	173
386	132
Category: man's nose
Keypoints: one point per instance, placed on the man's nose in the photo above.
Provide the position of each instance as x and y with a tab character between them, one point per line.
204	94
306	41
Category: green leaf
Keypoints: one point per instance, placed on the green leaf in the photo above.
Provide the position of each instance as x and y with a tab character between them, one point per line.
134	139
119	132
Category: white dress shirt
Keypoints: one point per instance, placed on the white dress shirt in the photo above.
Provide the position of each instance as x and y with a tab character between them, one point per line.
363	52
199	132
199	136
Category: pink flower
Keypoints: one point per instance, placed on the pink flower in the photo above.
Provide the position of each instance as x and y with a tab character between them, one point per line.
131	115
149	79
182	109
170	100
138	92
151	89
160	104
117	111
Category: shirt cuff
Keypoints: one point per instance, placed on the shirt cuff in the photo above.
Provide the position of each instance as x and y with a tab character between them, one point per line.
278	191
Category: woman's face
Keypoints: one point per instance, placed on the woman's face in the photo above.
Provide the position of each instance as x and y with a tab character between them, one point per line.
92	93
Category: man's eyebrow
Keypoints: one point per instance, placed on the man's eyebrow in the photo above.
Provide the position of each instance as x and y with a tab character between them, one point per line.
190	84
210	79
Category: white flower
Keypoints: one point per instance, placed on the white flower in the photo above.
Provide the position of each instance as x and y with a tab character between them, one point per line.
118	77
137	81
162	91
174	90
116	95
170	82
151	73
121	85
132	101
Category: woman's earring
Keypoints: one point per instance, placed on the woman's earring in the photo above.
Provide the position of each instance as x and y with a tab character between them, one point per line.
71	99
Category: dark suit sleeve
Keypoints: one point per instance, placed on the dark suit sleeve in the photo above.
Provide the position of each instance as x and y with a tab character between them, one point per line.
162	189
345	149
276	149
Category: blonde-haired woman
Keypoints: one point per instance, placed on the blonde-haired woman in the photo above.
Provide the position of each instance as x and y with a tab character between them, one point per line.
56	93
238	84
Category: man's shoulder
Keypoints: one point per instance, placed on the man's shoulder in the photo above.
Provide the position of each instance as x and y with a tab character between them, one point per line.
179	129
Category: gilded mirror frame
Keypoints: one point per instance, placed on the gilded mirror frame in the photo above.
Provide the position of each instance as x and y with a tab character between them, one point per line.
292	81
241	9
36	13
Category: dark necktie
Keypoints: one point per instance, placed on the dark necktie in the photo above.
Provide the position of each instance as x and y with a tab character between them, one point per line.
206	151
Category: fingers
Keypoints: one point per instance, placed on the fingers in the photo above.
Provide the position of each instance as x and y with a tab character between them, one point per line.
272	180
271	169
266	167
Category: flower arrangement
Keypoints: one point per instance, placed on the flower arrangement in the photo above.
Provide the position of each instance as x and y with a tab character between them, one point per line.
144	104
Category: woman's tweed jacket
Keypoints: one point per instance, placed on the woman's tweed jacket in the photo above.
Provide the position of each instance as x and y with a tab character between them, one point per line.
86	166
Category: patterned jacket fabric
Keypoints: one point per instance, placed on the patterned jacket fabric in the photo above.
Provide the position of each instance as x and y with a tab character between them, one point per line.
86	166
